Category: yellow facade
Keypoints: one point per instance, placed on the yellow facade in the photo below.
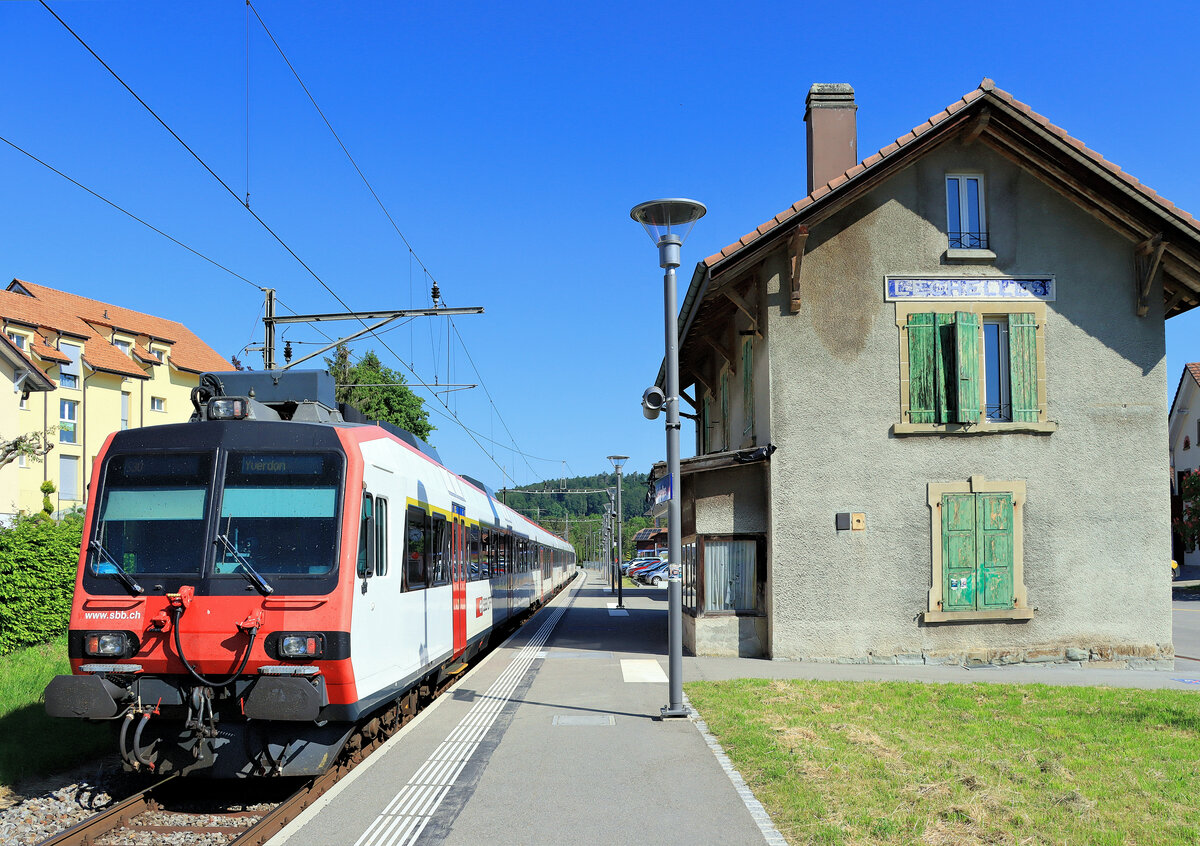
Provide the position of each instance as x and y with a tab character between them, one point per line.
98	410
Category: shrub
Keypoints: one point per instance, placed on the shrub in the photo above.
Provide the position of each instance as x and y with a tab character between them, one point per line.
37	578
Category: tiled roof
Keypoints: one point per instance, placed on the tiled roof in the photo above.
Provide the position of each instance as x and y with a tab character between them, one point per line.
16	356
987	88
1194	369
93	321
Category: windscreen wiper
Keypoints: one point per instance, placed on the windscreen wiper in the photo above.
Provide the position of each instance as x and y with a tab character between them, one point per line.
112	568
251	574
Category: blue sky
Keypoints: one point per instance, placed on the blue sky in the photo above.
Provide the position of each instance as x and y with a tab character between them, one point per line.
509	142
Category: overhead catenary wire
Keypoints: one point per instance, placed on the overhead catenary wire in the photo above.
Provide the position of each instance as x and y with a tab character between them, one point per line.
411	252
267	227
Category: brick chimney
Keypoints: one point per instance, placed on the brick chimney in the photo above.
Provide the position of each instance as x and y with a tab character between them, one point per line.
832	132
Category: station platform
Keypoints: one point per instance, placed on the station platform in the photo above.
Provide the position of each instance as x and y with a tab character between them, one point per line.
554	738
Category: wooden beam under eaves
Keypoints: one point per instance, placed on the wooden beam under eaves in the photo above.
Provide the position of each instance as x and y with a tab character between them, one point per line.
796	246
690	401
976	129
744	308
1146	258
725	354
701	381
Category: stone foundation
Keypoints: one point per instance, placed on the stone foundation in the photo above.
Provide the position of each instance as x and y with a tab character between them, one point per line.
1157	656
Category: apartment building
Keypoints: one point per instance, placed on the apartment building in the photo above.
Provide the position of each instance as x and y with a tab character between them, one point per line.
110	367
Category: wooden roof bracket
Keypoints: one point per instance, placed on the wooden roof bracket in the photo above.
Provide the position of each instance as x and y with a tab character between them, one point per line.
725	354
744	308
976	129
1146	258
690	401
796	256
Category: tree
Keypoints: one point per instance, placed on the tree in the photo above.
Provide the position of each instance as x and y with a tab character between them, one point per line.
378	392
32	445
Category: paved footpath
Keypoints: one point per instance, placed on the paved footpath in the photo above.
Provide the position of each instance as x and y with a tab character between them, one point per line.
555	738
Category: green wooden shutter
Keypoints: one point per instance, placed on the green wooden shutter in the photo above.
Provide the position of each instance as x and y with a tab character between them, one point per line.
995	538
966	348
922	368
1022	366
748	386
947	373
706	425
725	411
958	552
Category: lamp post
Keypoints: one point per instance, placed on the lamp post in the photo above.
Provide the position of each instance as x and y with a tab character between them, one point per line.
618	461
668	223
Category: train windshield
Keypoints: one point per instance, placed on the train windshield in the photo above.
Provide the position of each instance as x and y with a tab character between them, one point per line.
151	519
279	514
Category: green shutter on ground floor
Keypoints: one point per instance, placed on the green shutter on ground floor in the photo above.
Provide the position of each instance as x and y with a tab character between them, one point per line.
977	551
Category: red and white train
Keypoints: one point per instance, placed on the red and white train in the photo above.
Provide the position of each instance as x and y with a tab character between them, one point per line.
254	583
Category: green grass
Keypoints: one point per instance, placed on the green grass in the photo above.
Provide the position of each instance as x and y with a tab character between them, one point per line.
32	743
898	763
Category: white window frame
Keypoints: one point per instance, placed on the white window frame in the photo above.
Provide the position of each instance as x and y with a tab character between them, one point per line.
964	208
126	404
17	339
72	369
123	345
73	419
160	402
1000	321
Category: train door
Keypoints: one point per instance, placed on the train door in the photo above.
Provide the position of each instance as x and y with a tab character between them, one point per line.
458	581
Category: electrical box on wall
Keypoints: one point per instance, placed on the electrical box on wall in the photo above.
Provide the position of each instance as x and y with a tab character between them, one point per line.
858	522
842	521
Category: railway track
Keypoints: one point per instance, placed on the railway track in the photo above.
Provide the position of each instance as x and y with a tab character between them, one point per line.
178	808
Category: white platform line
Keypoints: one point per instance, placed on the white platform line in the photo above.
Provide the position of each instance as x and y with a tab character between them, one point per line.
405	817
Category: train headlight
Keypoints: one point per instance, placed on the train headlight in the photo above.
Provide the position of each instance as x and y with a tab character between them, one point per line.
301	646
228	408
100	644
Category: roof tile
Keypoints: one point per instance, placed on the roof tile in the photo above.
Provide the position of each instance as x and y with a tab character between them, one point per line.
986	88
89	320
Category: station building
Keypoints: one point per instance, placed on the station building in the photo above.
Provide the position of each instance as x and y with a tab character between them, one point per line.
85	369
931	403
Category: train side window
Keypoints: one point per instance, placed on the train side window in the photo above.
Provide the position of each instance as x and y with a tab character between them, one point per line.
485	552
414	561
439	553
475	555
366	538
381	536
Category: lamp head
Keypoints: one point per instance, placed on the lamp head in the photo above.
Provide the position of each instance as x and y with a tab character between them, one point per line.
668	223
618	461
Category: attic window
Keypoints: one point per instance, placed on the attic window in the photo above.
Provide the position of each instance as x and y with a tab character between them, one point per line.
123	346
966	220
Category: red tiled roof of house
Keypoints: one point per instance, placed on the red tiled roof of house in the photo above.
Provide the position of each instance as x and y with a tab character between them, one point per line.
986	88
93	321
1194	369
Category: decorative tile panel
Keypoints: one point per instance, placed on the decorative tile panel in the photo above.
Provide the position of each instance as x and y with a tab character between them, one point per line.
1039	288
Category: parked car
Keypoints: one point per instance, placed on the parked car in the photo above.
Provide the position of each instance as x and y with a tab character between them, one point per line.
642	566
655	575
637	562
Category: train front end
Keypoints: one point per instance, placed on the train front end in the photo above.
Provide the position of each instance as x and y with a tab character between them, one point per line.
207	622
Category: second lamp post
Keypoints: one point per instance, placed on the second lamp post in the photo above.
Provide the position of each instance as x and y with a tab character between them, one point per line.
618	461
